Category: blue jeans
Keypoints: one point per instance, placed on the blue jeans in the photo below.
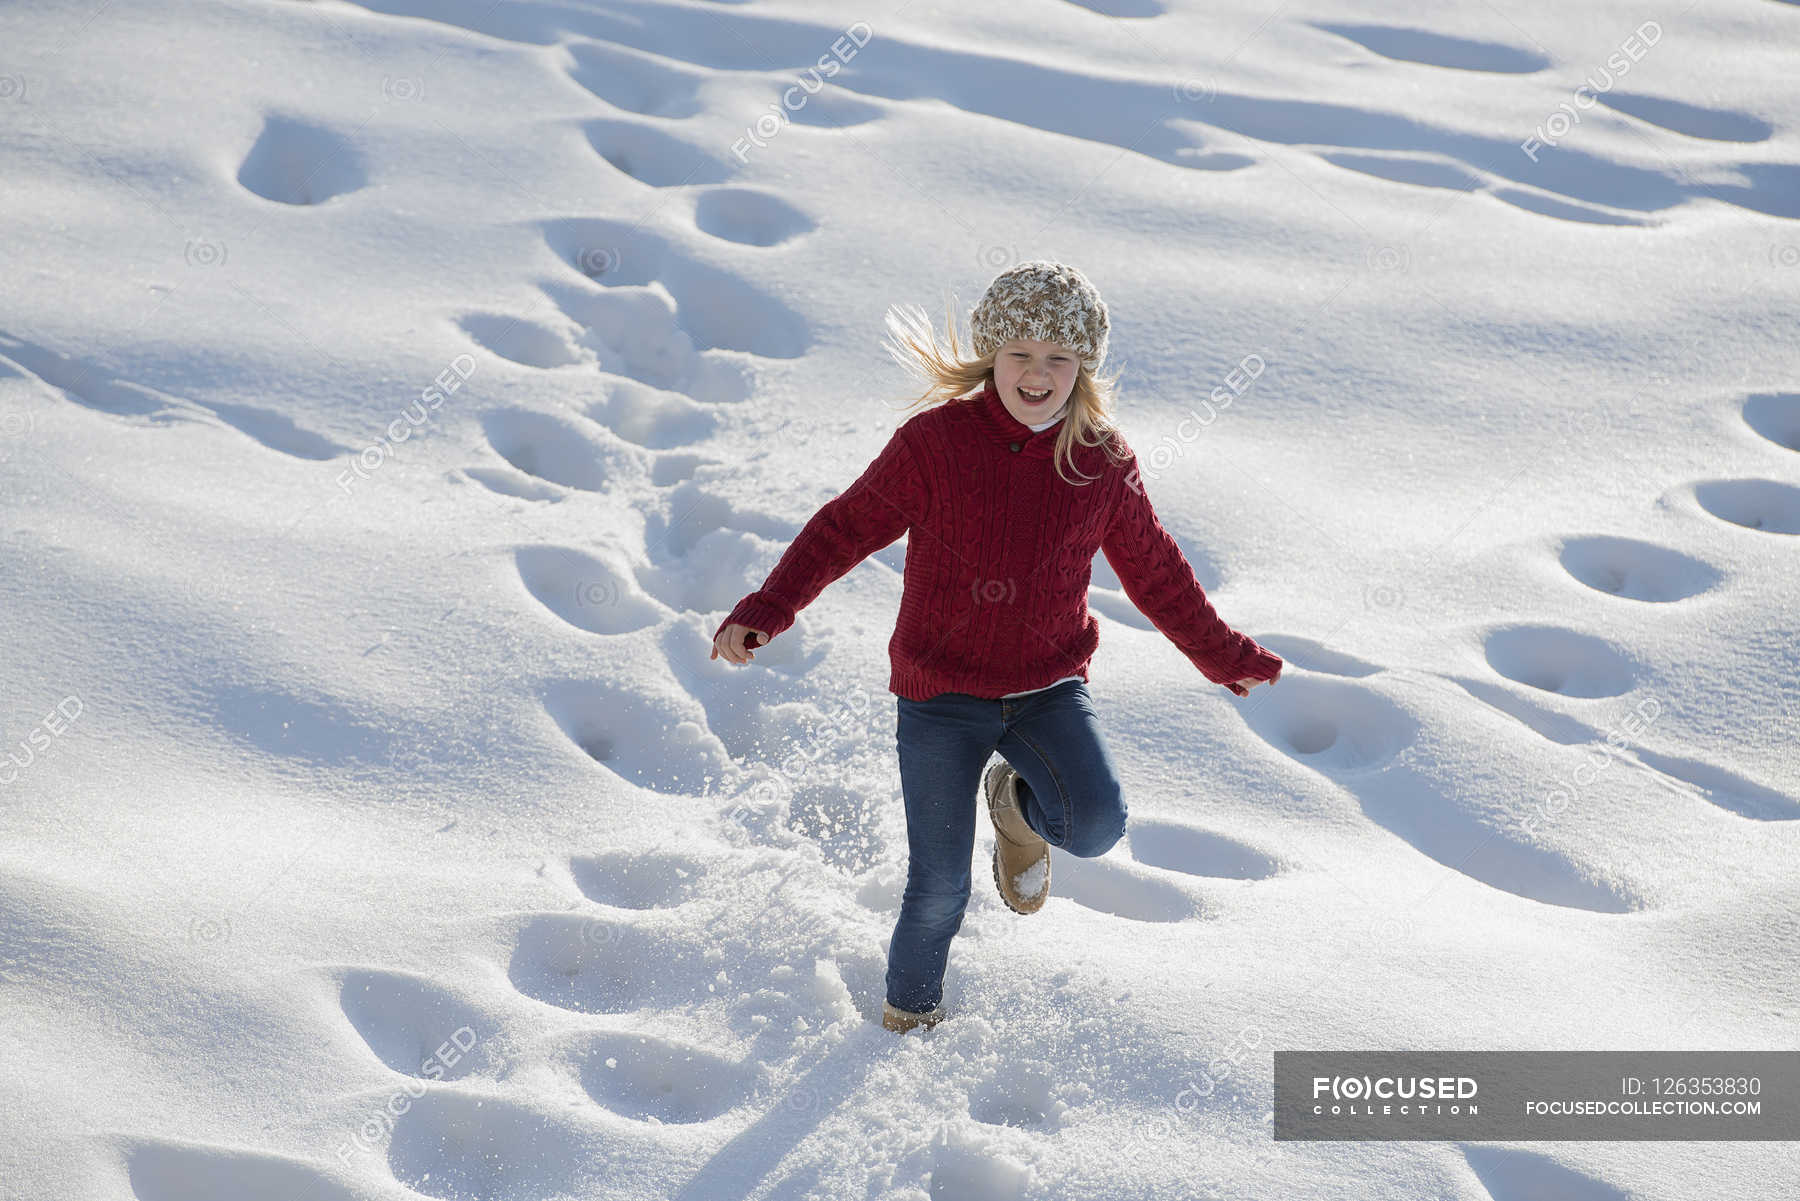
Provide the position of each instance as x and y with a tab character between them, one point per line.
1068	788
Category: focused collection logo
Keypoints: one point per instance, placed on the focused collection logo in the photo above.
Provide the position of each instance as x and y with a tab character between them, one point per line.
1394	1095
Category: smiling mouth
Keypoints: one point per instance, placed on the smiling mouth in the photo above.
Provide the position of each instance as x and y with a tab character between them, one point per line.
1035	398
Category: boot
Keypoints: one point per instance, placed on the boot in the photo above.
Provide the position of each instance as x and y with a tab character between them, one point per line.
1018	849
902	1020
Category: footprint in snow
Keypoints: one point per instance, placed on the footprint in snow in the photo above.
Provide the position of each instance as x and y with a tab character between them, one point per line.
652	156
297	162
507	482
1424	806
191	1171
834	108
656	739
652	961
638	879
1545	205
671	469
1765	505
1634	570
635	332
1330	724
714	307
1510	1175
1729	790
1720	786
750	216
1020	1094
1690	120
1192	851
1439	50
666	333
92	387
1776	416
1582	186
555	448
972	1171
550	452
593	964
648	1077
700	557
599	595
520	341
1554	659
408	1021
1123	8
84	383
651	417
276	431
1119	890
642	953
1772	188
1356	737
1542	720
1122	887
461	1145
635	81
1423	170
457	1141
695	514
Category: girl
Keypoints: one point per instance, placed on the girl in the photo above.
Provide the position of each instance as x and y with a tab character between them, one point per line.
1005	496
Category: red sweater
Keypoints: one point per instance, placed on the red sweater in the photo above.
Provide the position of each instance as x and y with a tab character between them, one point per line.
999	552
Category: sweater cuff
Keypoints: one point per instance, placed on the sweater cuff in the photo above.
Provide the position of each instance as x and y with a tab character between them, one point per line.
1263	665
761	610
1259	664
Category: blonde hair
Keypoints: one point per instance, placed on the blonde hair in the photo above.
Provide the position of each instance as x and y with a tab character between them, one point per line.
950	373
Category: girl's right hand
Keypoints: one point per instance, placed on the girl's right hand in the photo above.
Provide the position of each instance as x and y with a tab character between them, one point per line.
1242	687
733	645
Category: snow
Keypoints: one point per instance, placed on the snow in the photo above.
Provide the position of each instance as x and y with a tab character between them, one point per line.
395	395
1030	882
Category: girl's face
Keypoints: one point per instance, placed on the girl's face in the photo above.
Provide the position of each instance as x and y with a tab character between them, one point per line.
1034	378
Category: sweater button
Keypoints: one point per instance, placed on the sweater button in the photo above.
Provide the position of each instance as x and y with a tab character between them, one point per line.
1013	446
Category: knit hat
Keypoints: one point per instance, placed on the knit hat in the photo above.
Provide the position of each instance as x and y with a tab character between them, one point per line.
1046	302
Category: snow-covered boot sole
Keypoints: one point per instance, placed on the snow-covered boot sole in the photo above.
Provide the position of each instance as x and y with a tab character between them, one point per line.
1019	851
